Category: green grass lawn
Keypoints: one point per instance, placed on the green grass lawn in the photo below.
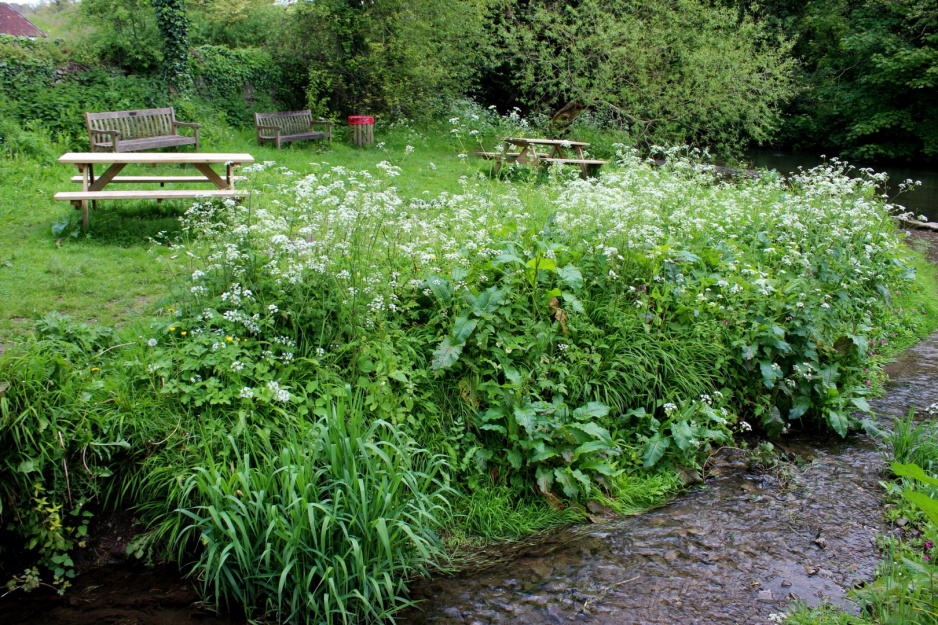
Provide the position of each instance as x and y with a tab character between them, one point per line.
115	272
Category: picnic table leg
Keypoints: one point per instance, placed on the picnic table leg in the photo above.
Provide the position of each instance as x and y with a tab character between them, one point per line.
84	187
209	173
229	175
584	168
94	203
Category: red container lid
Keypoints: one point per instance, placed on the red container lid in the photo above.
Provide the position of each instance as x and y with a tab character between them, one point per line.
360	120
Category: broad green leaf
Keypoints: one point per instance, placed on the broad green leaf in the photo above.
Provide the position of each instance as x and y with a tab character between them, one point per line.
572	303
439	287
860	341
545	479
838	421
507	258
655	449
542	264
463	328
494	427
566	482
802	405
769	373
592	410
524	415
597	432
590	447
829	376
446	354
861	404
749	351
599	467
487	302
546	453
928	505
685	256
682	433
571	276
914	471
514	457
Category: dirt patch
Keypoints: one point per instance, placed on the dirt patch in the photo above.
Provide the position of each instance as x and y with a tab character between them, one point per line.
128	594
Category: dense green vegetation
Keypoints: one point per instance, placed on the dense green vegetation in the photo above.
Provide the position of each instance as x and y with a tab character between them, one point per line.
452	357
386	356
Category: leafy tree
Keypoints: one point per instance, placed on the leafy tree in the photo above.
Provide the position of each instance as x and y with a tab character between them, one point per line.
237	23
123	32
872	72
675	70
411	56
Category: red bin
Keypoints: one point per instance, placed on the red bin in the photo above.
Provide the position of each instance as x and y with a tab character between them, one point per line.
363	129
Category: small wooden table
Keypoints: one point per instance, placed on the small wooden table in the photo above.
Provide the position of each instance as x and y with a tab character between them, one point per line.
92	189
524	150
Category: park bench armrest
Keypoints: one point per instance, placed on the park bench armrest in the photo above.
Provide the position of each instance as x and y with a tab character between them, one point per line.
187	124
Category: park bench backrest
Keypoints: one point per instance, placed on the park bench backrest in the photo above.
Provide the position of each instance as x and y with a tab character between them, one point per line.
140	124
290	123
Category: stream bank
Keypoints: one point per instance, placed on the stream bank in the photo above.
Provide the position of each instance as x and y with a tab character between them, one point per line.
736	551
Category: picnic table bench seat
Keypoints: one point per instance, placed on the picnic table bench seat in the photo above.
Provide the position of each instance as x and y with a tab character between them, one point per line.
132	131
147	194
161	180
290	126
587	165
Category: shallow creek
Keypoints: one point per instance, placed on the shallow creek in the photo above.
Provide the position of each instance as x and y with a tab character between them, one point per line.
734	551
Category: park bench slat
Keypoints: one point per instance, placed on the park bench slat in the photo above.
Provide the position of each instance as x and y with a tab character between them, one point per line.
159	179
573	161
146	194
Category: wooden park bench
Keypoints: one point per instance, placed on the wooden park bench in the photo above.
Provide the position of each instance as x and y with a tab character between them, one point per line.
289	126
131	131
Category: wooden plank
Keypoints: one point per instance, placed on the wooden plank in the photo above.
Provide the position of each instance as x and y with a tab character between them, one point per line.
561	142
159	179
158	158
573	161
214	178
105	178
146	194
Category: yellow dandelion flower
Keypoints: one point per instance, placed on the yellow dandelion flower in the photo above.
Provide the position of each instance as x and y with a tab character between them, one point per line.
183	333
172	329
95	369
228	338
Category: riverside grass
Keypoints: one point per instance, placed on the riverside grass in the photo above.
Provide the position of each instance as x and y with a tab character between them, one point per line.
550	341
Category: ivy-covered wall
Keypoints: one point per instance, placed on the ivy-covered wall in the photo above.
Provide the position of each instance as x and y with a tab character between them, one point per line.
241	81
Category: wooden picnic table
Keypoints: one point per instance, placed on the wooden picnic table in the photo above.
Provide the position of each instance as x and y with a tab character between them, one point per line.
523	150
92	189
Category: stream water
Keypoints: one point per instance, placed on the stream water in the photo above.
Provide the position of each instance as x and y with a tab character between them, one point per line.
921	200
733	551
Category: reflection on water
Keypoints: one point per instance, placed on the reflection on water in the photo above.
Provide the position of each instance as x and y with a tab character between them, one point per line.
735	551
920	200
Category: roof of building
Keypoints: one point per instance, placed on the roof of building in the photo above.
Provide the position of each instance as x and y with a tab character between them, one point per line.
12	23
